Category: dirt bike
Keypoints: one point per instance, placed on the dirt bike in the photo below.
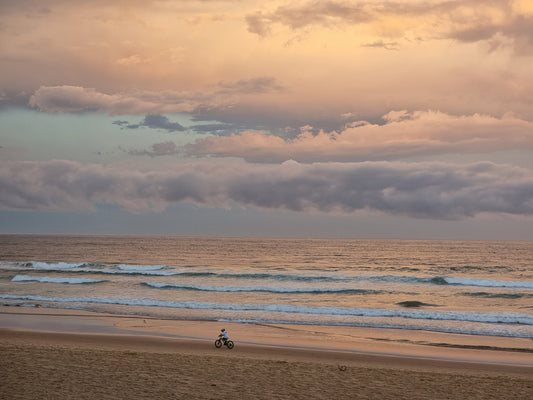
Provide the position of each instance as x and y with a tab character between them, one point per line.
221	341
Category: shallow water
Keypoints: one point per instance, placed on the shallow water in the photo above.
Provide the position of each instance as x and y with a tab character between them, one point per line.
483	288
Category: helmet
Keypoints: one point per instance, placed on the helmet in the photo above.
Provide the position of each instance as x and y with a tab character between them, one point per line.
222	330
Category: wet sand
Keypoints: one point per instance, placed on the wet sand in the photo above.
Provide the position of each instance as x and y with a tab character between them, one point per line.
66	354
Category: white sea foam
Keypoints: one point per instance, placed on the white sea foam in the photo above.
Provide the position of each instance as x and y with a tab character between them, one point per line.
59	265
489	283
467	316
447	280
163	270
311	282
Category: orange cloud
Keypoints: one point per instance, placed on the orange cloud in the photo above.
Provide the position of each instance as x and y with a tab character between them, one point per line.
403	135
305	59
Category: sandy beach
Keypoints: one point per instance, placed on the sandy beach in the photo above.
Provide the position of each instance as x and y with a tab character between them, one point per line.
67	354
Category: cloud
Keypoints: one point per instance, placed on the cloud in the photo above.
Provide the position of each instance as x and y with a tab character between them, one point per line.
383	45
310	13
263	84
423	190
258	24
517	28
405	134
468	21
153	121
216	129
58	99
157	150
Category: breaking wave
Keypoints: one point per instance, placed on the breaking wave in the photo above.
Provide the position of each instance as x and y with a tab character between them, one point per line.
466	316
305	276
47	279
233	289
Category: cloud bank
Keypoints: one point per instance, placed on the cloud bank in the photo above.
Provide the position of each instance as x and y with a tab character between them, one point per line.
405	134
58	99
66	98
462	20
423	190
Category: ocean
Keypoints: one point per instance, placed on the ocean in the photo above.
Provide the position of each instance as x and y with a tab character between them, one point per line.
466	287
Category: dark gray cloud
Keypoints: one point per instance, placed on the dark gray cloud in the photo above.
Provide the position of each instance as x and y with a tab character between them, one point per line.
154	121
162	122
424	190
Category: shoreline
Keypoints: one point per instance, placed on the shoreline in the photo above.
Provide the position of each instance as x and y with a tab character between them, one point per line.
419	345
84	355
199	347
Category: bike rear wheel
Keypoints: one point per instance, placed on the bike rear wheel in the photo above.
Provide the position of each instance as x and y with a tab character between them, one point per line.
218	343
230	344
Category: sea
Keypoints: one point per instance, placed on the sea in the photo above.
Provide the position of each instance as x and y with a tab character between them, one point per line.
464	287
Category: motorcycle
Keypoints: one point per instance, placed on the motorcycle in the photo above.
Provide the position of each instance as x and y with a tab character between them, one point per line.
221	341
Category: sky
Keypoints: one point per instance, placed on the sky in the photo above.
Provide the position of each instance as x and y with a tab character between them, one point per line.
401	119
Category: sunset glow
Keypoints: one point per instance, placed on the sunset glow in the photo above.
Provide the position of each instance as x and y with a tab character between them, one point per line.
327	118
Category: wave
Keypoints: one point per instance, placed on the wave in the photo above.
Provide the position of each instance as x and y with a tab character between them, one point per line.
414	303
463	316
447	280
498	295
132	272
88	268
55	266
64	266
164	270
259	276
159	270
486	282
140	268
47	279
162	285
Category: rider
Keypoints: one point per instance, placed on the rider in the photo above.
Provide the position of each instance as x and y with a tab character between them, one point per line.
224	335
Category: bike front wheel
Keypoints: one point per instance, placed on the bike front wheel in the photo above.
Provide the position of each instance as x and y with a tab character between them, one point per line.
218	343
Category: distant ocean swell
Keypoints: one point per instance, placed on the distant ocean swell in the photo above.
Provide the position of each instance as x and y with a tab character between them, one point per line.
162	270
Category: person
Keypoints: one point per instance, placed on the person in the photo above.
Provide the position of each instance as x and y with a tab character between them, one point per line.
224	335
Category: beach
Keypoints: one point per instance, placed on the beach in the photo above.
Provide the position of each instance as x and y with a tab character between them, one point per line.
68	354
